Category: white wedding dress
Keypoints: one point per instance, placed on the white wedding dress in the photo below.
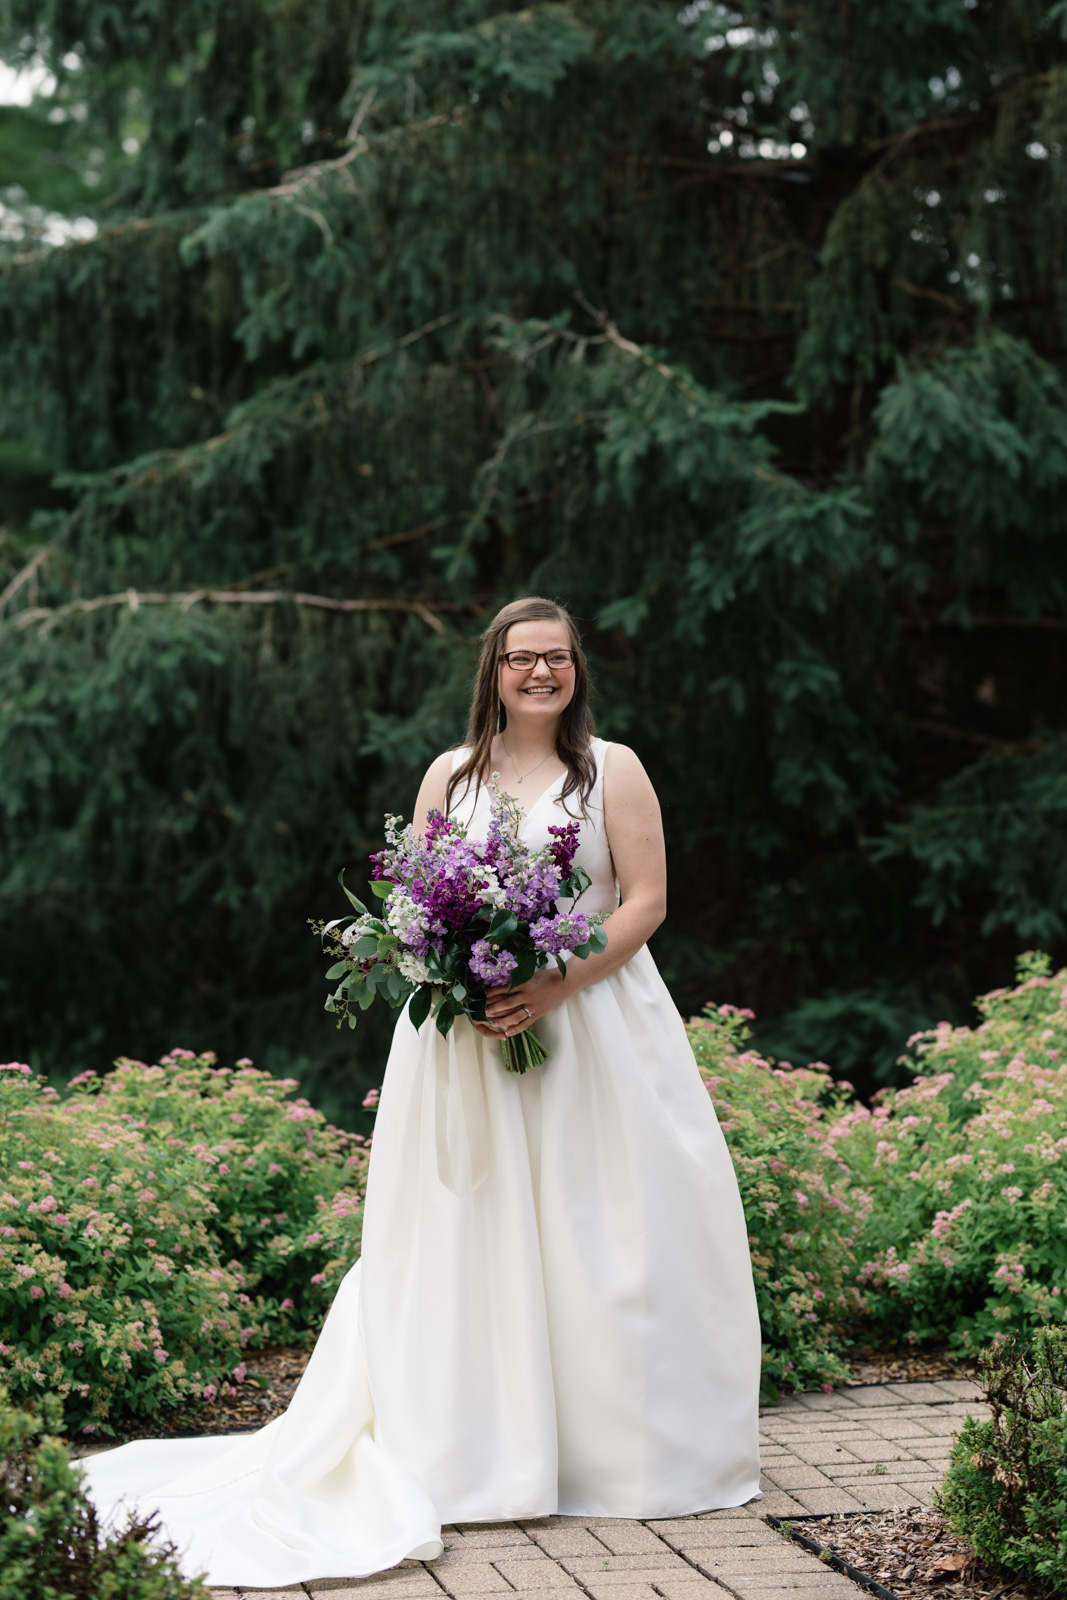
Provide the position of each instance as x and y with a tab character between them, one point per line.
554	1311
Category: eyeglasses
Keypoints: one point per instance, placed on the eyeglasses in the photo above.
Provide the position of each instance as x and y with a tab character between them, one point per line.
526	660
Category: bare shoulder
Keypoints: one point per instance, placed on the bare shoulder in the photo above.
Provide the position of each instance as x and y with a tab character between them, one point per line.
440	768
434	787
625	780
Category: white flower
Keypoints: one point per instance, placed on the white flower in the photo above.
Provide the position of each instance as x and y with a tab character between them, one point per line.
493	894
412	967
405	916
355	931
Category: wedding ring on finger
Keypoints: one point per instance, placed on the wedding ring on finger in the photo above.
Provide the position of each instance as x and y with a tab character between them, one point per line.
528	1012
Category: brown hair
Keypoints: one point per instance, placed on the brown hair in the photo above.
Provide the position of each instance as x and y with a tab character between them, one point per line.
487	714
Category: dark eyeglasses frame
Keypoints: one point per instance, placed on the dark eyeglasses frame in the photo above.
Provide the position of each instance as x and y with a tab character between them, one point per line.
539	655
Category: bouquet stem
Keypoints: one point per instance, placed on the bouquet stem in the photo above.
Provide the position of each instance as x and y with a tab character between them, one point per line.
523	1051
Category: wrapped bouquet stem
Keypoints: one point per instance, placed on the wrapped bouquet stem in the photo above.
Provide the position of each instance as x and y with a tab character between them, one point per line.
459	919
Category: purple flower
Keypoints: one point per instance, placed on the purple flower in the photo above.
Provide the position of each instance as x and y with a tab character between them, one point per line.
448	894
564	846
553	935
531	886
491	967
436	825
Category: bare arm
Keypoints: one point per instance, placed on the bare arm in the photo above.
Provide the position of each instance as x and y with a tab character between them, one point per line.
635	835
432	790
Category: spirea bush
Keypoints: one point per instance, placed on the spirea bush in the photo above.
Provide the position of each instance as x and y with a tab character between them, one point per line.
1006	1486
156	1222
967	1234
51	1545
804	1215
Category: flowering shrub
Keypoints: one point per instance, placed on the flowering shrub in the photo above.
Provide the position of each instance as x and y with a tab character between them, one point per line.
803	1215
50	1541
155	1222
274	1166
940	1212
968	1168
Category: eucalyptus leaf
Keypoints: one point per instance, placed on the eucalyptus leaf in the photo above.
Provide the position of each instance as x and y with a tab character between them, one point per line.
353	901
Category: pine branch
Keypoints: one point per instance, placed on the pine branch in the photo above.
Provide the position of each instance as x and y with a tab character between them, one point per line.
944	300
247	415
921	624
134	599
942	730
28	572
301	177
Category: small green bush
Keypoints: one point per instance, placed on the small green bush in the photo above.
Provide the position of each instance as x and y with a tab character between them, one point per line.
51	1545
1006	1487
155	1222
803	1220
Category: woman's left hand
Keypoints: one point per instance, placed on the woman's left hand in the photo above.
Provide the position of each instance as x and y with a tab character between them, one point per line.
511	1010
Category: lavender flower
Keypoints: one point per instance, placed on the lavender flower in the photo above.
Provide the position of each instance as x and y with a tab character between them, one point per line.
553	935
491	967
531	886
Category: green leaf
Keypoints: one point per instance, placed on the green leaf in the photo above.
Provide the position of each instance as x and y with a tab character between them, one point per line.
458	992
525	970
358	904
503	925
419	1008
387	942
445	1019
561	964
338	970
381	888
576	883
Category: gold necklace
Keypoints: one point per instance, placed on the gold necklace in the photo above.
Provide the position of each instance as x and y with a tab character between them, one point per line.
520	777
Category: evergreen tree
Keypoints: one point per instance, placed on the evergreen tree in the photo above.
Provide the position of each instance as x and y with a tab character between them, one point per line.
738	328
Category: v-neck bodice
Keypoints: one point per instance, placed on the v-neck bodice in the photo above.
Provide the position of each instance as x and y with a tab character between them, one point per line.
472	810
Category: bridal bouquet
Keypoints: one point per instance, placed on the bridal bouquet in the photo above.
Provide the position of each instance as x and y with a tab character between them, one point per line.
458	919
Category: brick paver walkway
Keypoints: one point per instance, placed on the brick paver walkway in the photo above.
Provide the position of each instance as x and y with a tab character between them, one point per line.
852	1450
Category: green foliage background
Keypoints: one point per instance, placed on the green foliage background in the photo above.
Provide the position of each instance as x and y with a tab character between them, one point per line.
740	329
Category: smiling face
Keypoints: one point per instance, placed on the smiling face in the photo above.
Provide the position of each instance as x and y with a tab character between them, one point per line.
542	692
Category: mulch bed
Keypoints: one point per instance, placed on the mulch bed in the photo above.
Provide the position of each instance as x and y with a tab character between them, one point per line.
905	1363
914	1554
273	1375
268	1388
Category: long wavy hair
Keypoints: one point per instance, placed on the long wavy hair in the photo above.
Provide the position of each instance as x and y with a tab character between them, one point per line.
488	716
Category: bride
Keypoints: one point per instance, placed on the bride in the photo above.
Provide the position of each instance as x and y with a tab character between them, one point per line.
554	1309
